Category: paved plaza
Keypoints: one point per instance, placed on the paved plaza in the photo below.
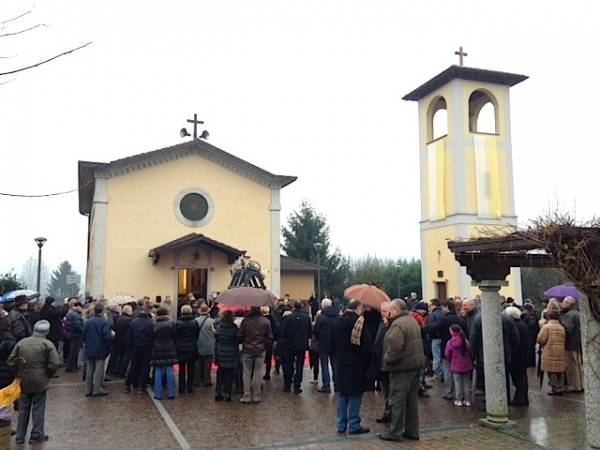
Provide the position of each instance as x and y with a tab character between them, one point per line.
283	420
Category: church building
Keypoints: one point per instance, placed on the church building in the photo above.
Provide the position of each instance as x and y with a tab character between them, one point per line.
172	222
466	171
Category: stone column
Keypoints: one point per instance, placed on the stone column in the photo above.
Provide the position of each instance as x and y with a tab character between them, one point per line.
496	403
590	338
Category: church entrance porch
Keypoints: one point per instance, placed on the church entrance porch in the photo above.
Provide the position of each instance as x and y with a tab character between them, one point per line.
192	281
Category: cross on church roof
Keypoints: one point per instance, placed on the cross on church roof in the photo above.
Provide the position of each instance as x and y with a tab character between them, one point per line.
460	54
197	122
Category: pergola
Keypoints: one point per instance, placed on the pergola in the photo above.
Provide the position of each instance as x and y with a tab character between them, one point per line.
575	250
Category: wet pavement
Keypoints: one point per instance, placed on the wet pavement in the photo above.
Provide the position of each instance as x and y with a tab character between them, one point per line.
284	420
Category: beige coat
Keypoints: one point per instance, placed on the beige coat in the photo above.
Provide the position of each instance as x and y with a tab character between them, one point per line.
552	338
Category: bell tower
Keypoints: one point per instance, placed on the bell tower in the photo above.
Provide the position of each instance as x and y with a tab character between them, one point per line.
465	169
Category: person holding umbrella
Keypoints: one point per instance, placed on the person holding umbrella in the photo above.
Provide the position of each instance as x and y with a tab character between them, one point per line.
353	346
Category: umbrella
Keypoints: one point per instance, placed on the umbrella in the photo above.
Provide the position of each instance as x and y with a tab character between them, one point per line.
120	300
563	290
246	296
368	294
12	294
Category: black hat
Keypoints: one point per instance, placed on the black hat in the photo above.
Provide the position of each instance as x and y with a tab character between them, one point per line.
49	300
20	300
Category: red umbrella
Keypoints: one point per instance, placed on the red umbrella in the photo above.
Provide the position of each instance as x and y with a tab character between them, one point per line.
368	294
246	296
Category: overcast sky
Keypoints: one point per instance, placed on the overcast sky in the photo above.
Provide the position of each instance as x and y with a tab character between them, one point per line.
305	88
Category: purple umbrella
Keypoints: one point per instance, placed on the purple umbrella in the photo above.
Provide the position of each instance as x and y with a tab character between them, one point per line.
563	290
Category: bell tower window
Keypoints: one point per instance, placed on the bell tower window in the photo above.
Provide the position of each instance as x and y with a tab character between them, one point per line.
437	119
483	116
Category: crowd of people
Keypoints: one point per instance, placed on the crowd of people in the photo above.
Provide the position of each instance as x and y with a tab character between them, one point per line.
399	348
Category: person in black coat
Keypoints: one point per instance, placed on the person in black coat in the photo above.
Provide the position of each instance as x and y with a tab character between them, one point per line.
226	355
7	342
164	353
266	311
352	363
122	352
54	315
372	321
296	330
520	359
186	331
141	330
533	328
442	327
323	332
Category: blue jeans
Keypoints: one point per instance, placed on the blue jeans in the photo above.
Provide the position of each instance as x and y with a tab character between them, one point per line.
436	349
348	412
34	405
325	358
158	385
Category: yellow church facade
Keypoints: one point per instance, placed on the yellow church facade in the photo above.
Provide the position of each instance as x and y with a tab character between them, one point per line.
465	171
172	221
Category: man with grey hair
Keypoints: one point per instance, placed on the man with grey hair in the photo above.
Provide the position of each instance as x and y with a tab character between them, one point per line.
403	358
323	333
38	361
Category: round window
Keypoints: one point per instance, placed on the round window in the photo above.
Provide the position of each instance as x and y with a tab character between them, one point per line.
193	206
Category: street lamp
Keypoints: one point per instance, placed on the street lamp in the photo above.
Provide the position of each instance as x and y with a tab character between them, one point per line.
318	246
40	241
398	269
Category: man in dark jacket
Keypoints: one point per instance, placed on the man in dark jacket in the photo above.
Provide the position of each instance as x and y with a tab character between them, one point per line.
323	332
74	335
382	375
7	343
352	346
38	361
519	359
54	315
97	336
436	340
313	302
19	325
570	321
296	332
403	358
533	328
141	330
121	352
443	328
256	335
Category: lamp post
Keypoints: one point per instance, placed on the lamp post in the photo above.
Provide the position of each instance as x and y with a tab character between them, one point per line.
398	269
40	241
318	246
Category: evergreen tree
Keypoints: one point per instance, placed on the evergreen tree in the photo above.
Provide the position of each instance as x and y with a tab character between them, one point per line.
9	282
306	227
58	287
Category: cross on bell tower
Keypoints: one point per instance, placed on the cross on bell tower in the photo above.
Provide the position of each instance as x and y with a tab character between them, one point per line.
460	54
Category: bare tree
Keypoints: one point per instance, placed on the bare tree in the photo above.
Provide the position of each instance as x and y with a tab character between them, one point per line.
28	275
9	33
